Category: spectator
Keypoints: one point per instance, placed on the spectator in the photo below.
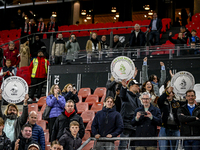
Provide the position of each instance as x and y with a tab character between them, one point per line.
8	70
107	123
186	33
117	99
13	54
38	69
72	47
104	44
37	131
184	16
26	30
41	27
137	37
5	143
13	121
157	83
194	50
170	123
33	147
33	26
71	140
65	119
19	19
24	55
57	104
69	92
146	119
58	49
188	116
93	45
25	139
116	43
130	102
148	87
55	145
112	86
36	46
156	26
52	27
179	40
194	38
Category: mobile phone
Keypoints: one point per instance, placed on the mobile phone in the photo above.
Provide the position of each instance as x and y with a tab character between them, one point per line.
143	112
74	86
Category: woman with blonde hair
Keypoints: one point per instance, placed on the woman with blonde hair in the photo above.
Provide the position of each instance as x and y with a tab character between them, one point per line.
93	45
57	104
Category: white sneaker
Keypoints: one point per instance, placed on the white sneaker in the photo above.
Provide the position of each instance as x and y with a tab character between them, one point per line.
30	100
37	99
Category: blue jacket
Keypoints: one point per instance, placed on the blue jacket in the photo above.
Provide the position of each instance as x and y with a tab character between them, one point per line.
107	121
38	135
57	106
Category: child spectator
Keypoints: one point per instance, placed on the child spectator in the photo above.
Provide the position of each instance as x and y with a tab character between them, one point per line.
8	70
5	143
71	140
194	38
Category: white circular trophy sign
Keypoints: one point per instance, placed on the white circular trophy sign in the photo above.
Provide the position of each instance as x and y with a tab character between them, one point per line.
182	82
14	89
122	67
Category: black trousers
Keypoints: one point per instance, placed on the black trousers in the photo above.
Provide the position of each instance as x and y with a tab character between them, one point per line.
51	123
58	60
35	81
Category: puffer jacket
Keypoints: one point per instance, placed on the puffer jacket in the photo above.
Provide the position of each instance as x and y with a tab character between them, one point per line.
5	143
57	106
72	49
58	47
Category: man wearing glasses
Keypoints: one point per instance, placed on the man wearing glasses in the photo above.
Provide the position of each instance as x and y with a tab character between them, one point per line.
146	120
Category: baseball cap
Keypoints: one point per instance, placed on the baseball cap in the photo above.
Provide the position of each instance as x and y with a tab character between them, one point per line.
35	145
132	82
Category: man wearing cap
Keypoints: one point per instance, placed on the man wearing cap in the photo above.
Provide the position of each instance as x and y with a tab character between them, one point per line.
33	147
130	102
38	69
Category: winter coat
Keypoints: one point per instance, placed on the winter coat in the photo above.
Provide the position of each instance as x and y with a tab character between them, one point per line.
163	104
89	46
24	143
107	121
63	121
196	39
72	49
38	135
25	59
104	45
5	143
13	55
139	41
68	141
58	48
145	78
177	41
158	24
117	45
35	47
189	124
145	127
57	106
130	102
5	69
19	122
111	88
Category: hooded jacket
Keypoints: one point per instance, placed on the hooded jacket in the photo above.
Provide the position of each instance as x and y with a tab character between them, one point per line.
5	143
107	121
68	141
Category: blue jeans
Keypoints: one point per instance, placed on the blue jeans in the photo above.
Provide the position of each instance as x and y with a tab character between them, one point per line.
154	35
168	144
191	144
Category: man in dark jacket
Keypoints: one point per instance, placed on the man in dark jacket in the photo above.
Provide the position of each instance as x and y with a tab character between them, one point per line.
5	143
188	116
130	101
25	139
137	37
14	122
104	44
179	40
170	123
37	131
186	33
107	123
116	43
146	119
64	120
156	26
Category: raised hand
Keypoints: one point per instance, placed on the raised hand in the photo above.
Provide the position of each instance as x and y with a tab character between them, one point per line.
145	59
161	63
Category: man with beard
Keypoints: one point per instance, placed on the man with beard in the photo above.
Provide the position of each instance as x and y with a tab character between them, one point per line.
14	122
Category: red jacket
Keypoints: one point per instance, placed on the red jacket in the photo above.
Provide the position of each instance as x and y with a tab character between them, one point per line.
41	70
13	55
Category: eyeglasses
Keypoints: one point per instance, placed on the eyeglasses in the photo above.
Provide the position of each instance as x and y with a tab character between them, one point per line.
145	99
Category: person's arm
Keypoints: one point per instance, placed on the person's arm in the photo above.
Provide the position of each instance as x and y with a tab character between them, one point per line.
162	99
55	130
53	49
67	95
24	116
68	45
184	118
183	41
123	91
94	126
163	74
76	98
63	140
18	59
41	139
110	85
119	126
82	128
160	25
144	70
172	40
61	101
2	73
51	100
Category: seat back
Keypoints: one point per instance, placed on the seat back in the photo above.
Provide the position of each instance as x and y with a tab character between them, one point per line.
86	136
88	116
84	92
42	101
33	107
97	106
100	91
81	107
42	123
91	99
88	127
43	108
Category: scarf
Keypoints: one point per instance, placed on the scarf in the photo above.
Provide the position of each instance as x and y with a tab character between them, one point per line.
95	43
51	27
69	114
40	27
154	83
26	27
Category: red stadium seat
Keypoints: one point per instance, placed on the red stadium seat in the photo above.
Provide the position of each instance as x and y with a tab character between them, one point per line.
81	107
39	116
97	106
101	92
89	124
80	98
47	145
32	107
42	101
89	146
86	136
88	116
43	108
91	99
42	123
84	92
46	135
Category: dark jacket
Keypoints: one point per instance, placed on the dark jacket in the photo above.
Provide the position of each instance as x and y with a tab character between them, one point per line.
104	45
19	122
158	24
186	35
177	41
139	41
145	127
163	104
189	124
24	143
117	44
130	102
196	39
107	121
69	142
37	45
63	122
70	96
38	135
10	69
5	143
111	88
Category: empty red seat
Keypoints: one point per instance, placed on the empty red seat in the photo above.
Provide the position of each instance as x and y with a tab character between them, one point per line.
46	135
89	124
81	107
91	99
84	92
97	106
101	92
80	98
42	123
89	146
32	107
43	108
42	101
86	136
39	116
88	116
